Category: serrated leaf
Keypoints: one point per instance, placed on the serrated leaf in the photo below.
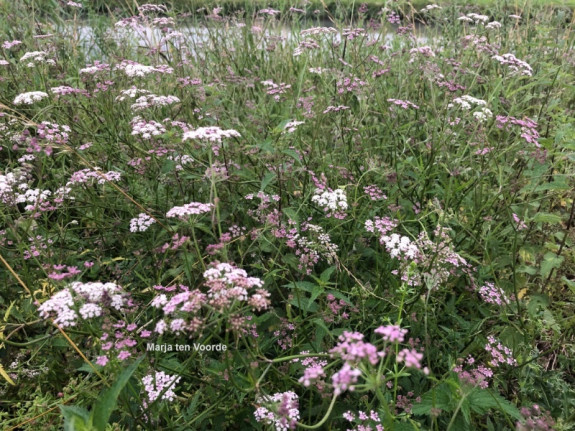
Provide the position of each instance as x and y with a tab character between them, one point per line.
547	218
482	400
439	398
106	403
268	178
325	276
291	214
75	418
293	154
550	262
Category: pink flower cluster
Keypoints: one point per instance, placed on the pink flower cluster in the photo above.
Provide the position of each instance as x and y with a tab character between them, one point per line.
374	193
500	354
345	379
119	338
88	175
159	385
349	84
392	333
226	285
404	104
351	348
476	376
364	421
282	410
146	129
515	65
58	272
528	128
535	419
276	89
493	295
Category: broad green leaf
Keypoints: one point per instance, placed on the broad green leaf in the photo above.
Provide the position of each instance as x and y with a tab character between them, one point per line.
439	398
75	418
291	213
268	178
482	400
547	218
550	262
325	276
106	403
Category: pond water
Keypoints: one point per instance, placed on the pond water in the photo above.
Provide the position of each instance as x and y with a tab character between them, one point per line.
196	38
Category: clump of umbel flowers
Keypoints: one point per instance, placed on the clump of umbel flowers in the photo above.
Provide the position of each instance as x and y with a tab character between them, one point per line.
364	421
359	355
84	301
535	419
227	287
281	410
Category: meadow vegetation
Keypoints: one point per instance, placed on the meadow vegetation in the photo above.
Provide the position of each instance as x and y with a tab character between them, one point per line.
263	219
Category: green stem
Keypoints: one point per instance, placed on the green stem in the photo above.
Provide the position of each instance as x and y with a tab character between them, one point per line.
325	418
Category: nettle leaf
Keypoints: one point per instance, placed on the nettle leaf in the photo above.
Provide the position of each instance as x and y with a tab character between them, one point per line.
107	401
76	418
326	275
268	178
439	398
550	261
482	400
547	218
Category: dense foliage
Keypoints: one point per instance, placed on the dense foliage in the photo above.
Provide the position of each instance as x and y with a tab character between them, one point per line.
266	221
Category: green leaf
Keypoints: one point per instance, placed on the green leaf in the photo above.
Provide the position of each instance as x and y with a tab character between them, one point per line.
75	418
482	400
268	178
547	218
325	276
291	214
106	403
550	262
439	398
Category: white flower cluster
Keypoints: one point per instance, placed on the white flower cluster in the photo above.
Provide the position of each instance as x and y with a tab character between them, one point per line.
399	246
146	129
150	100
131	93
475	18
493	25
93	296
189	209
29	98
35	57
318	30
10	183
332	202
429	8
141	223
213	134
181	161
14	189
468	102
133	69
292	126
